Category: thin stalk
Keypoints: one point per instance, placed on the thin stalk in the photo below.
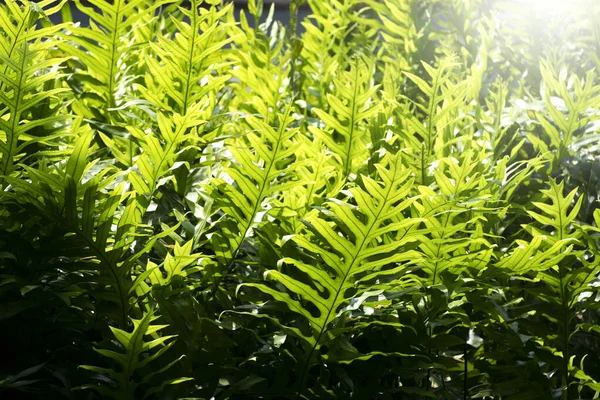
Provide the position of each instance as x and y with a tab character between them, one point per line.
429	334
465	372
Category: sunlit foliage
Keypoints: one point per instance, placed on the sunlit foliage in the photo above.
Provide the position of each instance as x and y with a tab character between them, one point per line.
389	200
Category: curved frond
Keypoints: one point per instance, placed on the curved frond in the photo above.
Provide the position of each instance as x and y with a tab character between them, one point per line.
355	246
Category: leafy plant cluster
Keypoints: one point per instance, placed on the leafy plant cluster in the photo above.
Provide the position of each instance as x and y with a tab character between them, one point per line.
391	199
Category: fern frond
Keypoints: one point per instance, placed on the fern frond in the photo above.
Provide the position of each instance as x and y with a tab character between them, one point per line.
318	179
553	258
557	215
176	265
495	121
548	248
353	245
255	175
398	32
454	244
261	61
534	256
101	48
433	114
343	27
190	65
159	152
27	68
19	19
568	105
125	383
99	218
325	31
351	106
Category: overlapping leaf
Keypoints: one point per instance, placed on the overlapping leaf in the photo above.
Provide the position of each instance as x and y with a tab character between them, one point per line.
354	247
101	49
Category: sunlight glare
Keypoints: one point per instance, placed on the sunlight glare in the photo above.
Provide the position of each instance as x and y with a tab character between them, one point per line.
552	7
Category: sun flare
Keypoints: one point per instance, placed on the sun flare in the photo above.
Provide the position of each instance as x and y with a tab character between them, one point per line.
553	7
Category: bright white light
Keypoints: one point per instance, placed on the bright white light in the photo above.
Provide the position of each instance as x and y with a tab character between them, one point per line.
553	7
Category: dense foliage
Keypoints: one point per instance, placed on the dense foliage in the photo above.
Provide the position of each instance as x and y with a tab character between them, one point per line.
391	199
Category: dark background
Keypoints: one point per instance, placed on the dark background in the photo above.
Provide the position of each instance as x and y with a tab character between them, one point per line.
282	11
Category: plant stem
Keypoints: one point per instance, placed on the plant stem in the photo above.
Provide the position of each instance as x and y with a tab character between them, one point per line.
465	373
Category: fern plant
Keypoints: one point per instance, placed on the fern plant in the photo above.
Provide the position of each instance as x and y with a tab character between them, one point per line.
127	386
185	65
349	260
101	49
26	87
384	200
256	178
583	98
428	136
556	261
350	107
